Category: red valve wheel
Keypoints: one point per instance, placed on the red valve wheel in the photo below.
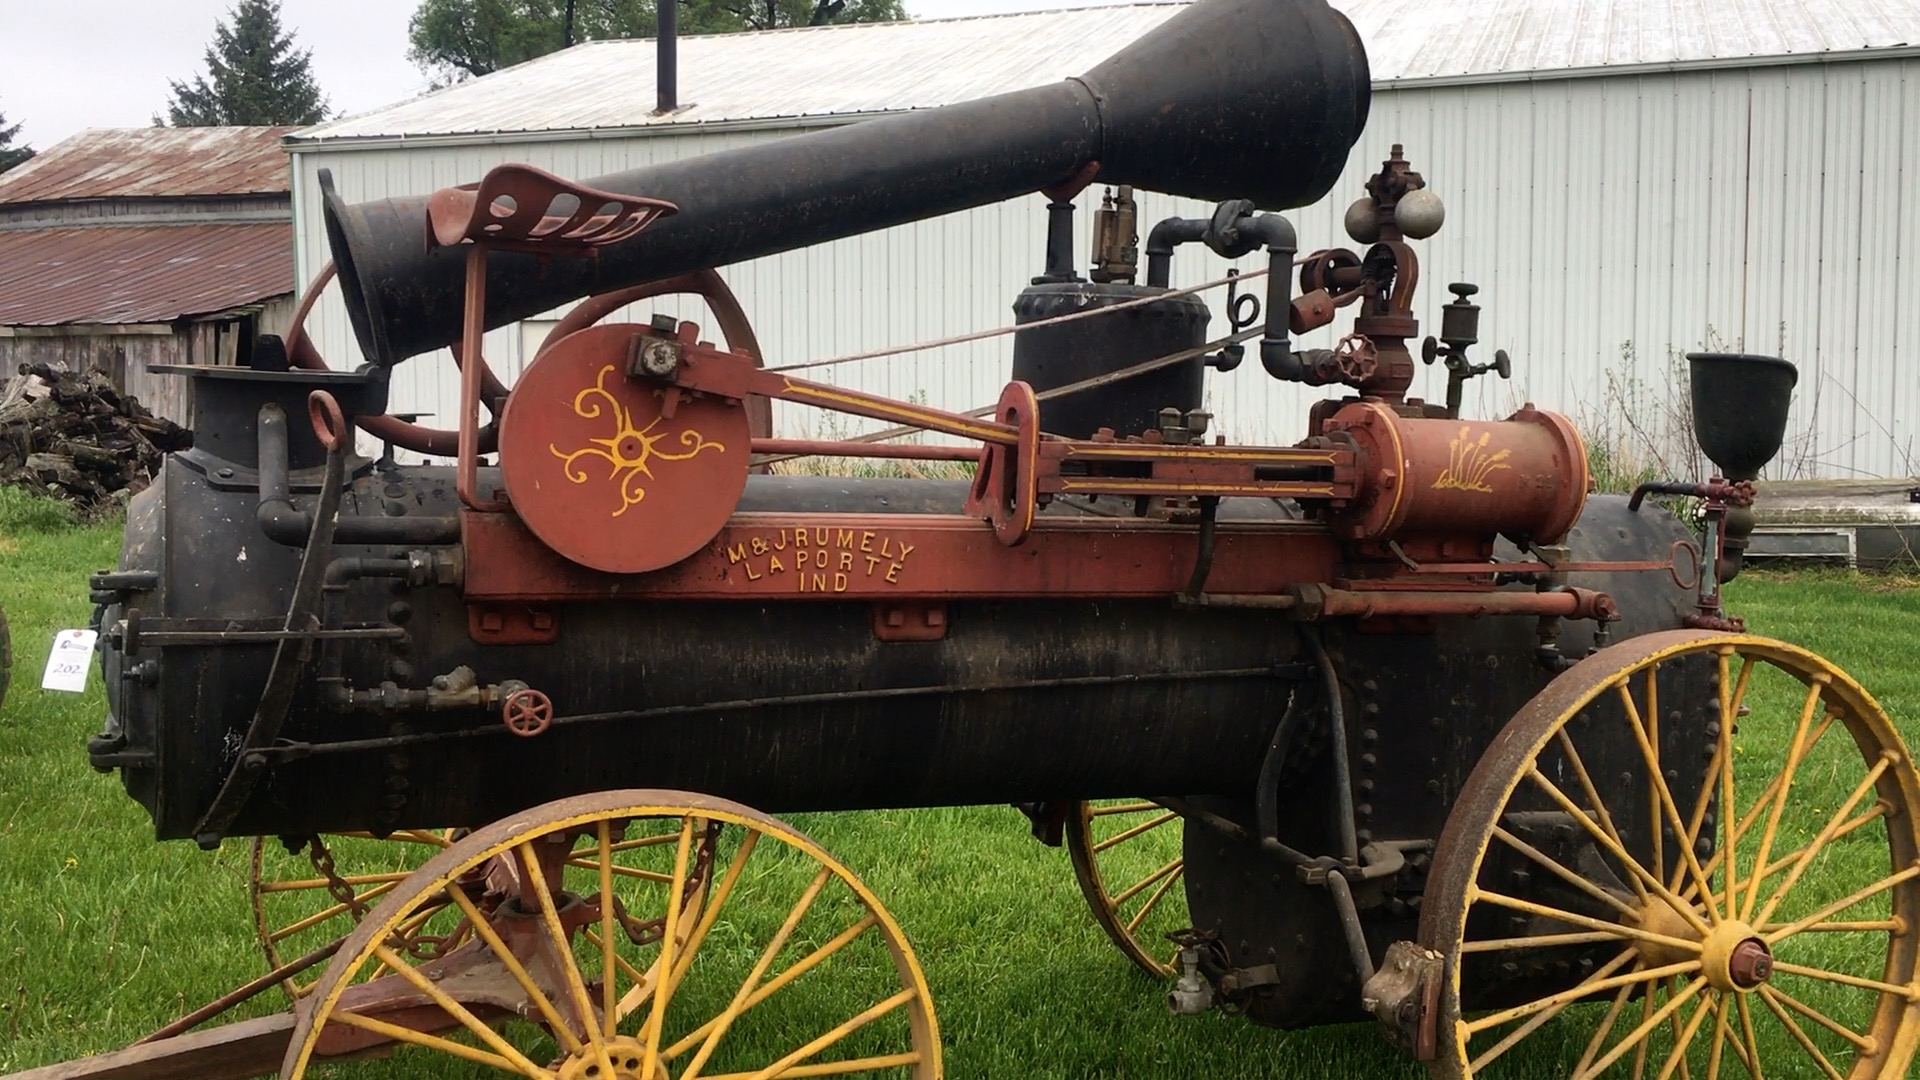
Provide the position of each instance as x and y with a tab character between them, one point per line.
527	713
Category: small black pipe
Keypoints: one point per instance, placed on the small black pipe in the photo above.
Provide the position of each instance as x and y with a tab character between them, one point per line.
1276	351
1266	797
1161	241
667	63
1350	926
1203	560
1060	266
284	523
1660	487
1342	775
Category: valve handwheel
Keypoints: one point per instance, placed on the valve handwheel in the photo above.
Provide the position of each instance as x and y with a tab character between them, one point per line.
527	712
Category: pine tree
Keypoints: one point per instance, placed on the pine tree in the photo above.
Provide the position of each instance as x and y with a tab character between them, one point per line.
254	75
11	155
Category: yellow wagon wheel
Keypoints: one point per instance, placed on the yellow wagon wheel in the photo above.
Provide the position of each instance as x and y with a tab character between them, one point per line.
790	968
298	907
1127	858
1693	854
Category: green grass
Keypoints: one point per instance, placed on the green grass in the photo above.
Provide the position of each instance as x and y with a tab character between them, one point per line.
105	935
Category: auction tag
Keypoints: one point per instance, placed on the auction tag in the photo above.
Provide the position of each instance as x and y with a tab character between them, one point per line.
68	663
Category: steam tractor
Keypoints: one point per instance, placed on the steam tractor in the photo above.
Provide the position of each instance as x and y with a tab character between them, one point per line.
1451	745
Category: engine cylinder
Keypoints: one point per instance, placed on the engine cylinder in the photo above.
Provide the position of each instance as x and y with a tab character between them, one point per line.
1054	356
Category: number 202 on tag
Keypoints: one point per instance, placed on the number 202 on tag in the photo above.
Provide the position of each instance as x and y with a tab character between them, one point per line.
67	664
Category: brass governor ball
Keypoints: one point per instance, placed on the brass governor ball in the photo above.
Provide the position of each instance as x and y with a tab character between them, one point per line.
1419	214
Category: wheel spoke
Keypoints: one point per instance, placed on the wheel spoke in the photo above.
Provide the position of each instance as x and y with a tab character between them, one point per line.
1719	1038
323	883
1607	1023
1639	1034
837	1068
778	982
1539	941
570	971
711	913
1879	811
1753	812
1618	930
868	1016
1534	1023
1599	805
1123	837
1909	993
609	972
713	1029
1613	982
619	871
1651	728
1682	1037
1173	867
1723	756
329	913
1796	750
1133	924
1820	842
1663	800
1123	808
459	1012
1751	1059
481	927
1563	873
1844	903
677	889
1633	867
445	1046
1800	1036
1865	1044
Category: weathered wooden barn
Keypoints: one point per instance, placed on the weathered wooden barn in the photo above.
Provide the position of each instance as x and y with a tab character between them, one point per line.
123	249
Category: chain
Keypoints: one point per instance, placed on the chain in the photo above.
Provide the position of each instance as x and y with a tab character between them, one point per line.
337	887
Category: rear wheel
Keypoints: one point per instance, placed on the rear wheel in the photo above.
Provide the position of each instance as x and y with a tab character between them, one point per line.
1618	897
1127	858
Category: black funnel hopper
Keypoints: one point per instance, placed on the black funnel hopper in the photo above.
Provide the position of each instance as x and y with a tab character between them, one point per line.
1740	409
1255	99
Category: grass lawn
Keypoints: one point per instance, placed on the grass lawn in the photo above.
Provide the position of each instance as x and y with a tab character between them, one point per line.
105	935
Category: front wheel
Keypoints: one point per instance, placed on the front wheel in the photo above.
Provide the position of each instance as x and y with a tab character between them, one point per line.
1691	853
582	956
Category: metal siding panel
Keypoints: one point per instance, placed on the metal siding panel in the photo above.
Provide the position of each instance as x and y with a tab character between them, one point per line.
1875	301
1616	267
1509	318
1552	200
1655	176
1847	423
1904	312
1728	199
1691	269
1771	159
1586	332
1786	319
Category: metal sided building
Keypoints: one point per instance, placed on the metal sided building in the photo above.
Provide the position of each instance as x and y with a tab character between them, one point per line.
1626	180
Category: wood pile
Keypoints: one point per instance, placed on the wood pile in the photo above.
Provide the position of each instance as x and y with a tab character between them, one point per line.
76	437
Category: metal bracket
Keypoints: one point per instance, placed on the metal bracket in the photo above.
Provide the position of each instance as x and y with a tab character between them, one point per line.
1404	995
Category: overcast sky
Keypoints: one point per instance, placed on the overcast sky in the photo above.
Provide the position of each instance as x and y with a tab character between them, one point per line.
106	63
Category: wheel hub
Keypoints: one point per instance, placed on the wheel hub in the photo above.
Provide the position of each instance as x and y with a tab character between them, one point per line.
1732	956
1735	958
627	1056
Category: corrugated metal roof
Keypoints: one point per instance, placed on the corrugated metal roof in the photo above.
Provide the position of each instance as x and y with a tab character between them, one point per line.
1465	39
154	162
835	71
51	277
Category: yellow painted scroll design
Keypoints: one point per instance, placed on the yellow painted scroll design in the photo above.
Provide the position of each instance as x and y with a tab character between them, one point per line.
630	451
1469	463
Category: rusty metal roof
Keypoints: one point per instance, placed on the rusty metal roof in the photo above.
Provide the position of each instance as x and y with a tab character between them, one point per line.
140	274
154	162
779	76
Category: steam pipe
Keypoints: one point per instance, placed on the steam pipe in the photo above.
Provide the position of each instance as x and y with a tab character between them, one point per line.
1166	236
1254	99
284	523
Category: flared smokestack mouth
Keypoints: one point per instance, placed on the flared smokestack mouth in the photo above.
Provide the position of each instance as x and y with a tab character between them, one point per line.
1227	99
